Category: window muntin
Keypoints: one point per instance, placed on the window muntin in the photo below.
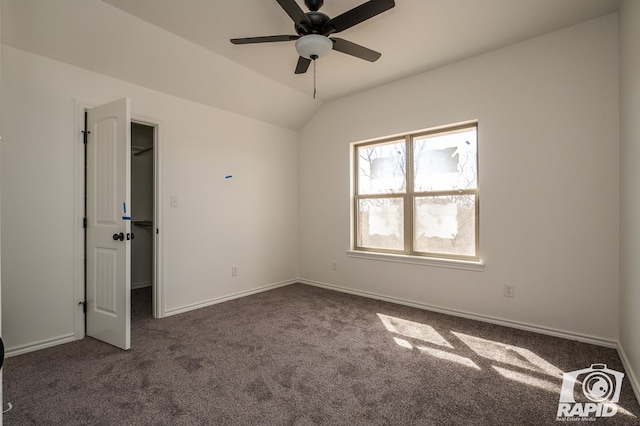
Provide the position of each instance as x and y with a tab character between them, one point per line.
418	195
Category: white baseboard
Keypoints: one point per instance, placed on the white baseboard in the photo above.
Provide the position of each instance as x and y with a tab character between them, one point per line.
635	383
204	304
43	344
633	379
484	318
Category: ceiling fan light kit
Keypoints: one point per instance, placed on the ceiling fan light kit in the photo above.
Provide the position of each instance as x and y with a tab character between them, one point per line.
313	29
313	46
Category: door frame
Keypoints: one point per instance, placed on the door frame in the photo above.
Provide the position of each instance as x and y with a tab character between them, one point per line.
79	213
158	300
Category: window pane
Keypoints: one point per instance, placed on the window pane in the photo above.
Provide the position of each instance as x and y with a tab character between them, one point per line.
445	161
381	223
381	168
445	224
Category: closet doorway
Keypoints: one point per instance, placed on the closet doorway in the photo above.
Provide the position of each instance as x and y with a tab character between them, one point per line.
143	220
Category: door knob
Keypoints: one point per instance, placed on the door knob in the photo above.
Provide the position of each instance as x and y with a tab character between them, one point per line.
119	236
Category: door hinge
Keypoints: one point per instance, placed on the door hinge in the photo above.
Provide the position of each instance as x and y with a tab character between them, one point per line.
84	222
84	306
85	132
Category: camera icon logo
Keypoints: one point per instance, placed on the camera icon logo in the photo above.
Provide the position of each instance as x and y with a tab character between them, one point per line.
590	391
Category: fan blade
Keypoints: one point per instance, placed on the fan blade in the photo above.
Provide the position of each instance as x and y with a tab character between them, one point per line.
303	65
356	50
295	12
359	14
265	39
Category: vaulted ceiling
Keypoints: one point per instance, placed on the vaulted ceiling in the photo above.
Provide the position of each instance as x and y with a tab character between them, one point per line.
413	37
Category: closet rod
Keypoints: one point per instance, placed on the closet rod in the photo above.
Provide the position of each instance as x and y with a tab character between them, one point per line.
143	150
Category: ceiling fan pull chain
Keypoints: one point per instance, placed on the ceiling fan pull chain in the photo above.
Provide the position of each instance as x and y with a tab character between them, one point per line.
314	79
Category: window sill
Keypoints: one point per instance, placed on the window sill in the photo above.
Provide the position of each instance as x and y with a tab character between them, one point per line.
416	260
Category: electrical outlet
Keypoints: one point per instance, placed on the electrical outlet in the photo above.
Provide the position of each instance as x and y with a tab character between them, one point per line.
509	290
334	265
234	271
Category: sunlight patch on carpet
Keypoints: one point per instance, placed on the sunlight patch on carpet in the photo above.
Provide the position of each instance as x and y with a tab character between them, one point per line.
449	357
621	410
528	379
403	343
508	354
414	330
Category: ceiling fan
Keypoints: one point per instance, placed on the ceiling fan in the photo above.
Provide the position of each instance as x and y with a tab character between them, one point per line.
313	29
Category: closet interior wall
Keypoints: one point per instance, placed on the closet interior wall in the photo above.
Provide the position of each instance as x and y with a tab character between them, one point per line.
142	159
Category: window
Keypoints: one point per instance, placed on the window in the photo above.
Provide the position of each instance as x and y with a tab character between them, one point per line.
417	194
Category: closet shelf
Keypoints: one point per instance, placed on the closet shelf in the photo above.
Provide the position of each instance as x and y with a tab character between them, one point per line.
148	223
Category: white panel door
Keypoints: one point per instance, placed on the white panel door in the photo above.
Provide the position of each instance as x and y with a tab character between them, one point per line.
108	245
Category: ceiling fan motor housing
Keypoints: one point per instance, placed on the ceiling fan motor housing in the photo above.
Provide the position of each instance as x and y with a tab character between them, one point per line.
318	25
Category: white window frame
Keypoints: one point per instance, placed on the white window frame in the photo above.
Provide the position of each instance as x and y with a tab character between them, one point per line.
408	254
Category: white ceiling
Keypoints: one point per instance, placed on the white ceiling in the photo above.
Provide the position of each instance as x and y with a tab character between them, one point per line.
182	48
415	36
